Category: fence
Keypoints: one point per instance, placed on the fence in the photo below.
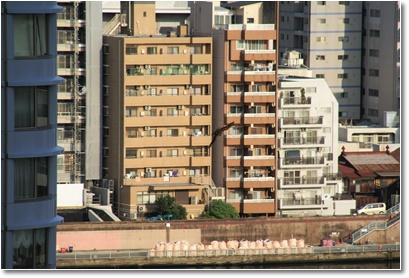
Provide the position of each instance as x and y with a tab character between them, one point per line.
93	255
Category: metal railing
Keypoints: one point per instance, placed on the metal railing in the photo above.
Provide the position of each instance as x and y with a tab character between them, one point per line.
303	180
303	161
125	254
378	225
302	120
296	100
303	140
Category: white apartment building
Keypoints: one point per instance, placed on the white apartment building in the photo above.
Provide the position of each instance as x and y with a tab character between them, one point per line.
307	144
329	35
381	60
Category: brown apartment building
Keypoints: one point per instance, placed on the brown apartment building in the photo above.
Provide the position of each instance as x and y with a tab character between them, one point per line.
250	102
158	116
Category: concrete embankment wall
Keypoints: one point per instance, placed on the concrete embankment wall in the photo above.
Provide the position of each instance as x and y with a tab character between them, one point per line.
143	235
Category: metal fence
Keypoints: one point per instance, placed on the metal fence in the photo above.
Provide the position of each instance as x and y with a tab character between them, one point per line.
93	255
378	225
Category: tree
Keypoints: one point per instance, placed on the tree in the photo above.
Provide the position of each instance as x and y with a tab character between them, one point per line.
220	210
167	205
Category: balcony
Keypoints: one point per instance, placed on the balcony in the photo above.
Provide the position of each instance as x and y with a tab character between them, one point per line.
168	161
249	97
69	118
70	46
303	203
161	141
256	160
168	120
249	206
172	183
301	182
254	75
302	142
70	71
302	162
251	118
295	102
65	96
251	139
70	23
250	182
294	122
251	27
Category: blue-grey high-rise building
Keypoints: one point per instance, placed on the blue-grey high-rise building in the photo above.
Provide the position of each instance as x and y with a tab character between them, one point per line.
29	145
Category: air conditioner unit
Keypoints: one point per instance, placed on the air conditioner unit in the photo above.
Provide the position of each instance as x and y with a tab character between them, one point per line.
146	108
179	107
141	208
146	128
147	66
142	113
148	169
146	86
143	51
184	51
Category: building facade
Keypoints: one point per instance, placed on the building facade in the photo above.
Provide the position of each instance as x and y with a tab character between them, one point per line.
29	141
79	113
380	77
329	35
159	102
307	142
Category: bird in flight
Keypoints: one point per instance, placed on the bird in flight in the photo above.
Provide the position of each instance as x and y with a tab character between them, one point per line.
219	131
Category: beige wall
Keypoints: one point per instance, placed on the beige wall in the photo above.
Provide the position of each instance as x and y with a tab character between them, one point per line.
144	18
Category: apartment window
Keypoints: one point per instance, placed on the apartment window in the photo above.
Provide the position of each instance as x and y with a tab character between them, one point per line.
172	153
321	3
173	50
372	112
152	50
30	35
343	57
320	57
344	95
342	75
320	75
144	14
131	153
30	249
152	92
374	33
343	39
173	132
130	112
373	93
131	132
150	153
30	107
343	3
374	13
65	36
234	109
131	49
343	114
172	91
196	49
374	52
321	39
373	72
30	178
250	20
345	20
67	86
282	18
172	111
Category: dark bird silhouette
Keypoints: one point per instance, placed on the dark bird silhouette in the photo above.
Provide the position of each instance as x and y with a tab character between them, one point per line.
219	131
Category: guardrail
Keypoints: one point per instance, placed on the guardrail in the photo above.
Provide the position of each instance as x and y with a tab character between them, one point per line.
378	225
94	255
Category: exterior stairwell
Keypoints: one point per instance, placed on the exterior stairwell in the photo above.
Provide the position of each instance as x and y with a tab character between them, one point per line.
366	231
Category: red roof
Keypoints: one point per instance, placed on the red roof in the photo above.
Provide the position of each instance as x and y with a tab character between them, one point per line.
368	164
396	154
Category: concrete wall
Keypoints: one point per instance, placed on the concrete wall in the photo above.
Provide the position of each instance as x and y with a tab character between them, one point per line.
144	235
391	235
122	239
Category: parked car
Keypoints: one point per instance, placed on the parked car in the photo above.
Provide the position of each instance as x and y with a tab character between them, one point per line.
374	208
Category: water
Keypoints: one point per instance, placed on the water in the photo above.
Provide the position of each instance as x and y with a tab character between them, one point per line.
364	265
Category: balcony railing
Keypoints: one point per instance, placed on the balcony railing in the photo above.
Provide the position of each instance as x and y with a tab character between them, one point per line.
302	120
264	93
304	160
296	100
301	202
303	140
250	200
251	26
302	180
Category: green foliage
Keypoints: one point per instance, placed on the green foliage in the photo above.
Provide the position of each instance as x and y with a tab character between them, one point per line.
167	205
220	210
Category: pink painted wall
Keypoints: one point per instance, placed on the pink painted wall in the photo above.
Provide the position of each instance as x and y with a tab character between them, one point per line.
122	239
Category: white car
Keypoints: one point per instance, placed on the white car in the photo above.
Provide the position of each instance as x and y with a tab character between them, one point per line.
371	209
